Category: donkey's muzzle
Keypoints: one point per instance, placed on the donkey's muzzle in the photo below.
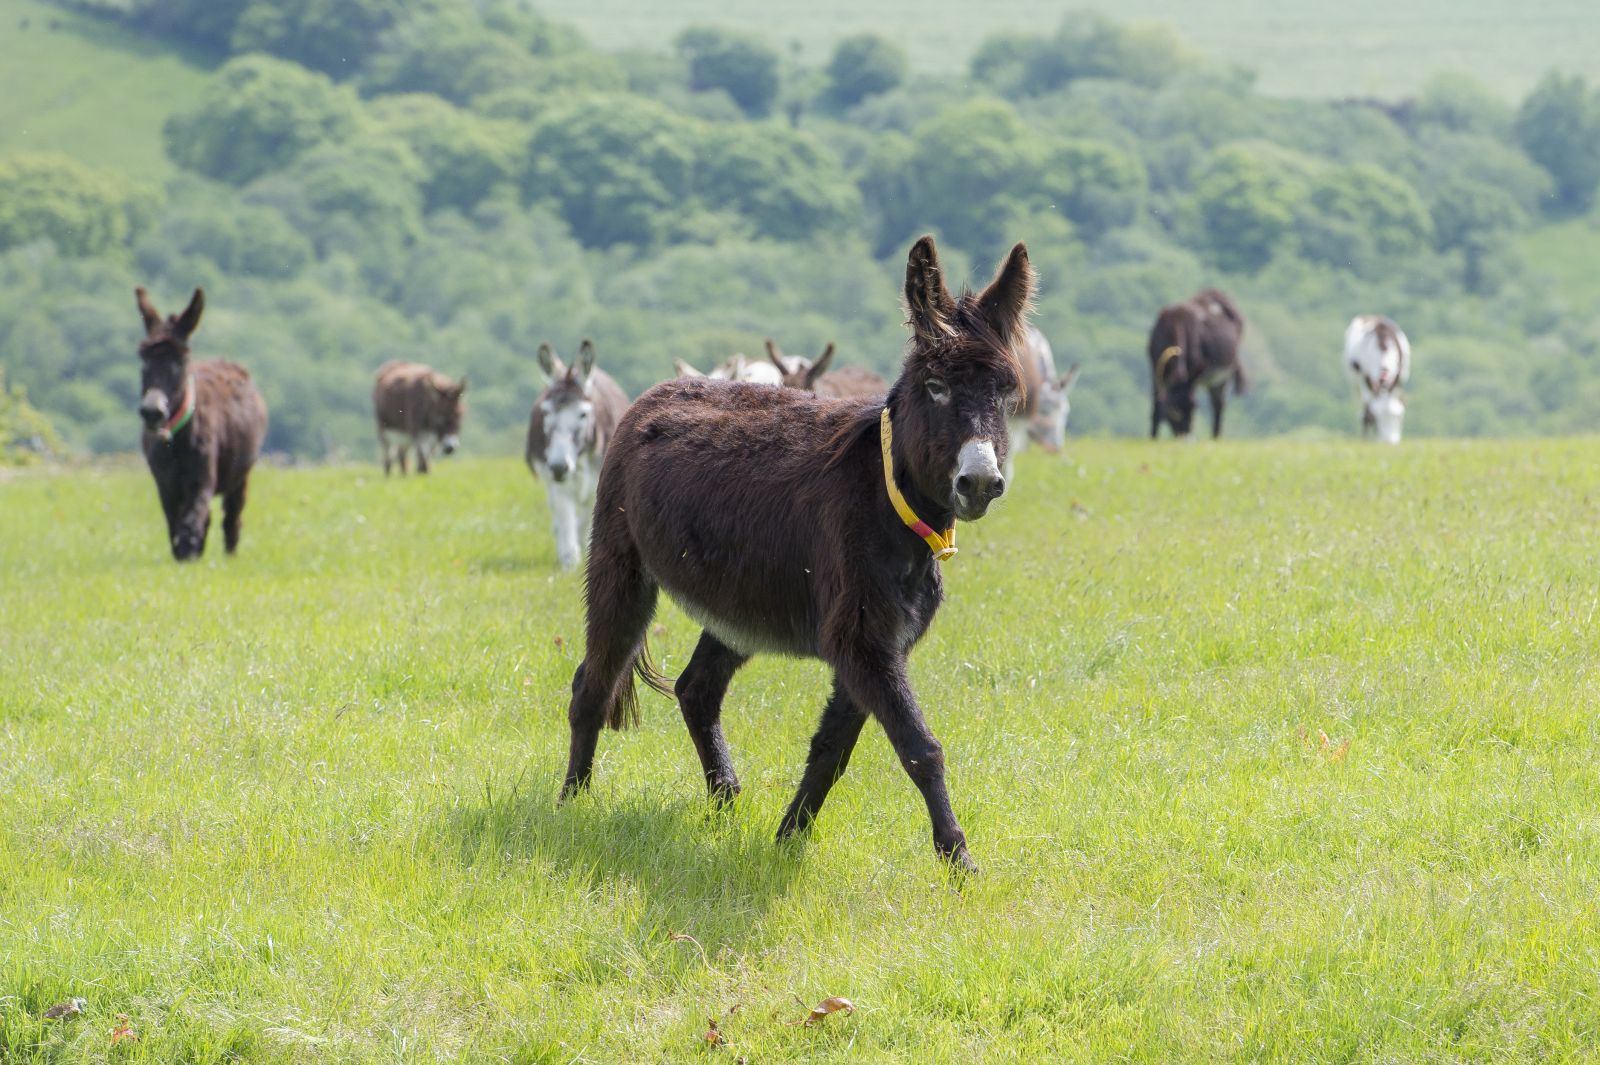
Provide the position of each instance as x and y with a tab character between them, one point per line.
153	409
559	473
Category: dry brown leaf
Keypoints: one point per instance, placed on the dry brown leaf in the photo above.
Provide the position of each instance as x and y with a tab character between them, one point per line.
70	1008
714	1036
827	1008
123	1032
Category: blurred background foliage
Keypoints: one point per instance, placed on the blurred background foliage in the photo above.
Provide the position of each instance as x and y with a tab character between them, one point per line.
458	180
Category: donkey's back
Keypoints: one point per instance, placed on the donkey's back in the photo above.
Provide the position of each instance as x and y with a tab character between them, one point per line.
726	492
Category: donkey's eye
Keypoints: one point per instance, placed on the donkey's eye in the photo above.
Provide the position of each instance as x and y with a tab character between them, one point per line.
938	390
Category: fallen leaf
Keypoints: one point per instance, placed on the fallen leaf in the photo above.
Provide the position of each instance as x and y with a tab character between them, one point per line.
560	643
827	1008
714	1036
70	1008
123	1032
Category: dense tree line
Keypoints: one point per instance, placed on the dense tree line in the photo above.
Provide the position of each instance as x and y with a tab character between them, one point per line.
456	180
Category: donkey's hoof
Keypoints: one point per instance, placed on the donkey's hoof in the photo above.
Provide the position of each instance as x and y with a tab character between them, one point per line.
570	789
722	792
960	862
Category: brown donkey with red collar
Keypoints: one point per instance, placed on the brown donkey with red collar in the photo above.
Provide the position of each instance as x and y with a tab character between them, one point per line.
203	426
796	525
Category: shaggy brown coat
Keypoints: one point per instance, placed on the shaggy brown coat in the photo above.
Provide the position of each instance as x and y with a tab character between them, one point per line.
416	401
212	454
1194	345
763	513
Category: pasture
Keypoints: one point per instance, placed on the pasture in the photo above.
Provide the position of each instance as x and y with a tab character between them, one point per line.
1272	750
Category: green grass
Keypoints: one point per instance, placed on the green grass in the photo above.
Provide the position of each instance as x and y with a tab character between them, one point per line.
89	89
298	806
1357	48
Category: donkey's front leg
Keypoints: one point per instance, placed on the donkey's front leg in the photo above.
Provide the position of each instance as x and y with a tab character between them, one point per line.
880	686
192	524
835	739
563	519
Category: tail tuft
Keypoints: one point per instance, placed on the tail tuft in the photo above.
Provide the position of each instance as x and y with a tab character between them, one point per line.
625	705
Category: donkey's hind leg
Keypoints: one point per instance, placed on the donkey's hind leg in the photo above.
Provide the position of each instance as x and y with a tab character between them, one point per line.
830	754
1219	399
700	690
621	600
232	513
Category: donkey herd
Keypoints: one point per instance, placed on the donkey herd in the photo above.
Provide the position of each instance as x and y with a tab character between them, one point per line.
786	505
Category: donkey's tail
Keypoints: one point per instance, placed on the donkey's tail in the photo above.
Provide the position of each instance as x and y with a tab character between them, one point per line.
1239	382
625	706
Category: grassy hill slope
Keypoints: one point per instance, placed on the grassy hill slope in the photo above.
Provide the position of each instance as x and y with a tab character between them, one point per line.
1359	48
88	89
1268	752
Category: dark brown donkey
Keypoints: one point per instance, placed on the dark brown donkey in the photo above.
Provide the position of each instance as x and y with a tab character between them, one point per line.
847	382
203	426
766	514
1194	345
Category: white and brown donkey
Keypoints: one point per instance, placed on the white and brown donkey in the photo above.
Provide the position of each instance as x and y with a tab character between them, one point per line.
573	422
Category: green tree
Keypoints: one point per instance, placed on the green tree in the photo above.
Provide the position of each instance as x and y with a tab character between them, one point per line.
52	197
463	156
206	23
784	182
970	170
1247	201
258	115
618	167
1357	216
1086	45
863	65
1476	220
1103	187
1461	103
1558	125
26	435
333	36
743	67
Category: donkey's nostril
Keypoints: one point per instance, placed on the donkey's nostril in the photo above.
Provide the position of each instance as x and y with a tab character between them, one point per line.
964	485
998	488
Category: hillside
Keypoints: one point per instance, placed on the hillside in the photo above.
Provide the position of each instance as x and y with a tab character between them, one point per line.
72	84
1301	48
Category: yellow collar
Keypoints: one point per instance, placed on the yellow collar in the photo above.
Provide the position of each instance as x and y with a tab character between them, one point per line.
943	547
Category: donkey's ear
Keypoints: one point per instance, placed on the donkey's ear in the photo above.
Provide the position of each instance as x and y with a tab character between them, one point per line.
189	320
1068	379
819	367
147	310
585	363
929	307
550	362
461	387
684	369
1005	303
776	355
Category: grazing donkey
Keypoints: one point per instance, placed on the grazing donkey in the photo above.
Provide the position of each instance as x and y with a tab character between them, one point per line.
1046	398
414	401
1378	356
734	368
203	426
847	382
1194	345
792	524
573	422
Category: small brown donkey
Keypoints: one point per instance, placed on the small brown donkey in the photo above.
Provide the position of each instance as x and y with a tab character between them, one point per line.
767	515
203	426
413	401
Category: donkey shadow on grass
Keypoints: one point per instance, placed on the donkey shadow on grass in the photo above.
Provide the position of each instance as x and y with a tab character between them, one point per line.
696	867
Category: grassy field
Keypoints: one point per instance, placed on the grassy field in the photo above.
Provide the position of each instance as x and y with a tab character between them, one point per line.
1267	751
1358	48
88	89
